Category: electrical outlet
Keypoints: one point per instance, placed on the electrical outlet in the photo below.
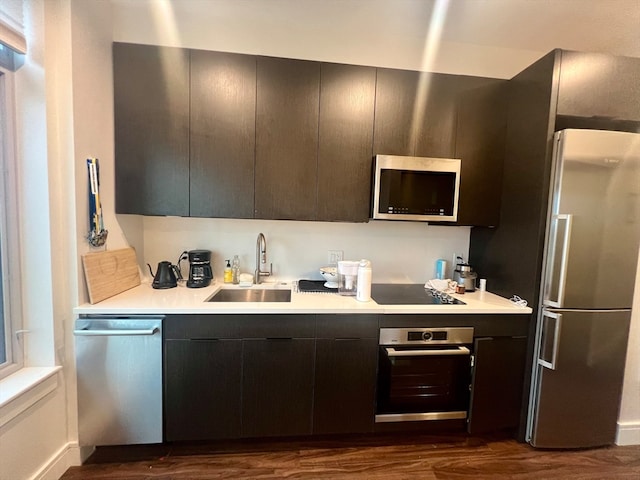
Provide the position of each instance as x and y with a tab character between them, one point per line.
334	256
457	260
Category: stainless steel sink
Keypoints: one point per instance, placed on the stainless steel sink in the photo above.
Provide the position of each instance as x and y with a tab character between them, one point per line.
251	295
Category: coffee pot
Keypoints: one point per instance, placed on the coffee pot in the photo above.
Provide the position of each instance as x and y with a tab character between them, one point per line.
200	273
166	275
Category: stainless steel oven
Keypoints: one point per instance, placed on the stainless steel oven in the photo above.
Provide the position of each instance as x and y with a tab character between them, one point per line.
424	374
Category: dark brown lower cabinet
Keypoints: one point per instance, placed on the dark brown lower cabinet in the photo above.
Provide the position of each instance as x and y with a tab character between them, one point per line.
202	389
497	384
345	385
277	387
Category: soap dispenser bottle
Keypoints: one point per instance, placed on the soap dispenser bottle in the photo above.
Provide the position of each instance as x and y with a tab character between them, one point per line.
235	270
228	275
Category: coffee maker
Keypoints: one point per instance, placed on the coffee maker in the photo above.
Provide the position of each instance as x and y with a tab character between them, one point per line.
200	273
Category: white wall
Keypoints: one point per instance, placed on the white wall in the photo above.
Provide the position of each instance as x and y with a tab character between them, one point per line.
629	420
401	252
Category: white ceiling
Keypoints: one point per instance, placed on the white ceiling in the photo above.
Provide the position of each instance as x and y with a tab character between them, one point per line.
381	32
538	25
611	26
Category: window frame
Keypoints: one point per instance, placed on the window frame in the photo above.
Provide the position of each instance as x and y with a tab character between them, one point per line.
10	252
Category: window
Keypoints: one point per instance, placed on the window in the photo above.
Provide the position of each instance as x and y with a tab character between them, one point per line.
10	312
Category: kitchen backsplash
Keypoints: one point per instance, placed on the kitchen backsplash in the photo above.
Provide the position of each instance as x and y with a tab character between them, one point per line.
400	252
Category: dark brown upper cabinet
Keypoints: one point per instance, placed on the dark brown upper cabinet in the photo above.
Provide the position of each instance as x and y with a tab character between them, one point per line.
151	111
347	101
239	136
398	112
599	87
481	125
436	135
286	161
222	142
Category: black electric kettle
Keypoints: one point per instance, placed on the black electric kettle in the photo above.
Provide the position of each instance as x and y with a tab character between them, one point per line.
166	275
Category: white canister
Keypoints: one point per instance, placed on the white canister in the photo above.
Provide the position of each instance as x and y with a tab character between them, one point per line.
364	281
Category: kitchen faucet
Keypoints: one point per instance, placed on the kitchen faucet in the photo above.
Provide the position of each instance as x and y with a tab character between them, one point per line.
261	258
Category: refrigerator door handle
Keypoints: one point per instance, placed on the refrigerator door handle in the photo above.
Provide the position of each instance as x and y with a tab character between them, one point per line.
548	351
556	274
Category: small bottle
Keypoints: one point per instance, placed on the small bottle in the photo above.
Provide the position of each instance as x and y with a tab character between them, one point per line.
235	270
228	275
363	293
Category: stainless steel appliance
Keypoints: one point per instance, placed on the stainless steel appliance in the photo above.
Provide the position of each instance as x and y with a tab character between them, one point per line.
200	273
465	276
416	188
591	253
119	375
423	374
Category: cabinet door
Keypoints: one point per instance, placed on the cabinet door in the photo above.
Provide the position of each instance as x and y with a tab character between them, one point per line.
286	139
202	389
397	119
599	86
436	134
480	143
223	104
277	387
344	397
151	112
498	378
347	100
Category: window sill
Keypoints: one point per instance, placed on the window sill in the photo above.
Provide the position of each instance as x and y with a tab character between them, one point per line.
24	388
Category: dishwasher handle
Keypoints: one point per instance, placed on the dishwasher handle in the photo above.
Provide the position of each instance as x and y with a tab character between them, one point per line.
114	332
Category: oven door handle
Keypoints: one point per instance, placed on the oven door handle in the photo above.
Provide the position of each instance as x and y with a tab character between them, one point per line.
392	352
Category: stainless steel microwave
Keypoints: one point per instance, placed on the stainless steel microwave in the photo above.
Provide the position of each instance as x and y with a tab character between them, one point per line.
416	188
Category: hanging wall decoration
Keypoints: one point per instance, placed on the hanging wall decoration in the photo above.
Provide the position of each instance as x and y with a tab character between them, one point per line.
97	235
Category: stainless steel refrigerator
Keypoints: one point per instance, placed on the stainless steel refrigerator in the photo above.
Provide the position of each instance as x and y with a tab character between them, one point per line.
591	252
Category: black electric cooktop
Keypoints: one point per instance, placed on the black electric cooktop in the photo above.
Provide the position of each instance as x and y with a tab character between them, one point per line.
409	294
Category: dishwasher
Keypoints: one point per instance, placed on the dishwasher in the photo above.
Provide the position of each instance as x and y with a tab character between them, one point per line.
119	377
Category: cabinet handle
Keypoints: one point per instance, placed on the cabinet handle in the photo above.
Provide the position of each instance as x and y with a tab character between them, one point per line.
392	352
109	333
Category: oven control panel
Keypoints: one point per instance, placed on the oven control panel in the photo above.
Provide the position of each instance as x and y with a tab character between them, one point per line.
427	335
422	336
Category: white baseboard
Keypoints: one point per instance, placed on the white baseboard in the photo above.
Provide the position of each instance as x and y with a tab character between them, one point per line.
628	433
67	456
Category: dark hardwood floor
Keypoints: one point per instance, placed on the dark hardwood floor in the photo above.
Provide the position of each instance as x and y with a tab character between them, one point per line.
390	457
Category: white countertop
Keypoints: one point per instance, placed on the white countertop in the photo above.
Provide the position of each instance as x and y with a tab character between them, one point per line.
145	300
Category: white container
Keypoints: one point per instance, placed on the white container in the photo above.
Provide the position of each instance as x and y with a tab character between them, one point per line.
348	277
364	281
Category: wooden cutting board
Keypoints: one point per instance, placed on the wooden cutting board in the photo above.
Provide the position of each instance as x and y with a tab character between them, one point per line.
110	272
